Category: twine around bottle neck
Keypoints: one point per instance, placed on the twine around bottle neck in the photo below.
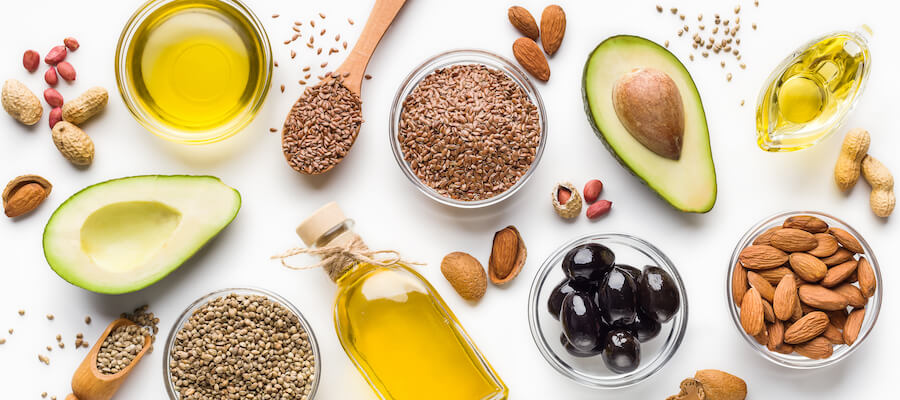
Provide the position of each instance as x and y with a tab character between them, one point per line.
342	253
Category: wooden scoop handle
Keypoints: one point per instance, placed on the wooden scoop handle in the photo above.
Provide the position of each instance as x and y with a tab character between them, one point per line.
71	397
383	13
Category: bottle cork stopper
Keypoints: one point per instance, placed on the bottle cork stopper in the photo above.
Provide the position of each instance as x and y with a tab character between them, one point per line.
320	222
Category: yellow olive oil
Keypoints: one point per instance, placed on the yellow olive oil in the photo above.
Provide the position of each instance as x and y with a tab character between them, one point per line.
196	65
406	341
393	324
808	97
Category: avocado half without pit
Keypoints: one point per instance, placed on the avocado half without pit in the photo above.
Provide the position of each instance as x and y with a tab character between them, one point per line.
644	106
122	235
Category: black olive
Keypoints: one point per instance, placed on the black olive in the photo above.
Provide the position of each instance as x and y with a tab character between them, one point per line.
622	352
644	327
588	262
634	272
581	321
617	297
578	353
554	302
658	294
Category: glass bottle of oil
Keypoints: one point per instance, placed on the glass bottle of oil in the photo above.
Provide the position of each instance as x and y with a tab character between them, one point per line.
396	328
811	92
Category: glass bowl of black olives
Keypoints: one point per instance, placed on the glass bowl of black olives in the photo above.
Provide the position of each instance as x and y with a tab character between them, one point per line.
607	310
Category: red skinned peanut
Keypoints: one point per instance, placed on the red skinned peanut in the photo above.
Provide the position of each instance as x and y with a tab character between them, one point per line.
599	209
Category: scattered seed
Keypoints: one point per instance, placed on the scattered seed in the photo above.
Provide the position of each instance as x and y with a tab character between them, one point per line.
725	22
743	66
345	45
306	68
2	341
673	10
337	38
287	41
275	15
10	331
120	348
666	43
756	3
61	345
350	21
705	54
323	65
659	8
312	23
319	51
728	77
699	17
309	45
702	27
49	348
273	130
722	64
322	33
21	312
276	65
79	335
78	342
58	337
85	344
293	38
282	88
43	394
298	23
686	28
742	103
321	15
50	317
302	82
681	17
312	39
680	32
737	9
44	359
692	57
753	25
293	54
368	76
715	29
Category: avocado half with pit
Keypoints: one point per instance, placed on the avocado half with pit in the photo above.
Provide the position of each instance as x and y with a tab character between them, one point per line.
644	106
125	234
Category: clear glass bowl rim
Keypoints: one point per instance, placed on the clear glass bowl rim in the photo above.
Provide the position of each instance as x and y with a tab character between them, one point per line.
186	314
873	307
862	34
646	371
454	57
164	131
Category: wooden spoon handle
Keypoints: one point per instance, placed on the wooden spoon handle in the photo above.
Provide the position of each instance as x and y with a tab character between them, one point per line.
71	397
380	19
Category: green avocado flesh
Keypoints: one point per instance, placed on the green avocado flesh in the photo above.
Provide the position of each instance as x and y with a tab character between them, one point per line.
689	183
125	234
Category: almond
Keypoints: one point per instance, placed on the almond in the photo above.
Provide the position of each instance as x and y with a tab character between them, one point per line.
752	313
806	328
522	20
838	318
866	276
531	58
768	312
25	193
766	237
854	296
465	274
826	245
853	325
793	240
786	299
762	285
807	267
807	223
847	240
833	334
798	310
822	298
762	337
816	349
507	255
758	257
776	335
839	273
553	28
842	255
774	275
739	283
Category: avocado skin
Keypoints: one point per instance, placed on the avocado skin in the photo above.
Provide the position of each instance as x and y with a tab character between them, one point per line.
599	132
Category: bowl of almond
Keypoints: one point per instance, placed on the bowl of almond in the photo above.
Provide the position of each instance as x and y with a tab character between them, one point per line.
804	289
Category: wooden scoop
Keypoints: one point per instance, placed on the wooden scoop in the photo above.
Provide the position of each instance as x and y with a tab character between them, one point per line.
89	383
383	13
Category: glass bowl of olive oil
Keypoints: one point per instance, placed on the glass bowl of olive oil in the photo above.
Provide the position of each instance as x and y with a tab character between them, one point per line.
194	71
809	95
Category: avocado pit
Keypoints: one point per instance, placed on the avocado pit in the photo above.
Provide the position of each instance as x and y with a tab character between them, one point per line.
649	105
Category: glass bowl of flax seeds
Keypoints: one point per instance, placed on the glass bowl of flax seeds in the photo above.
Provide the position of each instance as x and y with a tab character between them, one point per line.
468	128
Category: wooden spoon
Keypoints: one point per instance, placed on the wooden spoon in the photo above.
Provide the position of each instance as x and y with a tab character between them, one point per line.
383	13
354	67
89	383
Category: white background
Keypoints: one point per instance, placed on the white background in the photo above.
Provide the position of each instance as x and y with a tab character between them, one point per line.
391	213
